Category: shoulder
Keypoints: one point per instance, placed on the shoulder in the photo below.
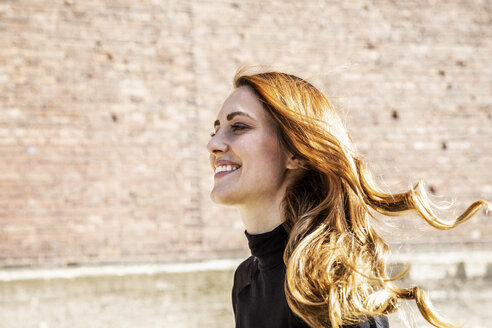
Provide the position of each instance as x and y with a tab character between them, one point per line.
245	264
244	269
243	273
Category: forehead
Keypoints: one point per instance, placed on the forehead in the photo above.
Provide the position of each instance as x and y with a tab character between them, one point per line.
243	99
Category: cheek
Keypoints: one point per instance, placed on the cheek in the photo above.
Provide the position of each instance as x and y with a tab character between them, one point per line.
263	155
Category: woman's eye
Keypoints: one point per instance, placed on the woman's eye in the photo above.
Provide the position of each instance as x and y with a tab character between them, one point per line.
234	128
237	127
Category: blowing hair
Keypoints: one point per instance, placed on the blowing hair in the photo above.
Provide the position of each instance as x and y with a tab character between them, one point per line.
335	261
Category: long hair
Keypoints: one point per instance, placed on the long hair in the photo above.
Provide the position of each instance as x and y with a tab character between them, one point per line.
335	260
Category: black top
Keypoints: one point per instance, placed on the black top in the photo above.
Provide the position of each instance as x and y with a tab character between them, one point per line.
258	296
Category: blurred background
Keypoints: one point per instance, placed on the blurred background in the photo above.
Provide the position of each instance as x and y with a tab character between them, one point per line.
106	108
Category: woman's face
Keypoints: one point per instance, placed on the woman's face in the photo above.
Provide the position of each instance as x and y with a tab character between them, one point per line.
245	154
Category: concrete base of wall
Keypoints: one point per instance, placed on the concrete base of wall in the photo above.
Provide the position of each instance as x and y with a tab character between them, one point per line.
198	294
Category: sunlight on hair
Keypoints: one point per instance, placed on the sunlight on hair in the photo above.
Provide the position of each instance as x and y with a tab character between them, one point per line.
335	259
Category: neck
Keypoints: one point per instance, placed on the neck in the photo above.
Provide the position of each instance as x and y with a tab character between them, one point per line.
265	213
262	216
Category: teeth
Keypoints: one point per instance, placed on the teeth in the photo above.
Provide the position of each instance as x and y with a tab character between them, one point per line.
224	168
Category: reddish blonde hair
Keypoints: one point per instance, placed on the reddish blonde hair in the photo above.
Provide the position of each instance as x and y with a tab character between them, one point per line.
336	262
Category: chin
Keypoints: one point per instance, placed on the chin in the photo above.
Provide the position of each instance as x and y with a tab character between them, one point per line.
223	198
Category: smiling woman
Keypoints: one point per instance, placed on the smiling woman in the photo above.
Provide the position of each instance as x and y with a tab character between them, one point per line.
282	156
249	162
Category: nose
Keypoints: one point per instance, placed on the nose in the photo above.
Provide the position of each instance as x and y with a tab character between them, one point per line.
217	144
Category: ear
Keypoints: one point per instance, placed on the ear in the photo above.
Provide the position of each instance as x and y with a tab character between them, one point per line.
294	163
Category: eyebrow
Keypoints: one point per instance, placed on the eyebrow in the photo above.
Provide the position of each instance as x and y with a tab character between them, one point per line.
230	116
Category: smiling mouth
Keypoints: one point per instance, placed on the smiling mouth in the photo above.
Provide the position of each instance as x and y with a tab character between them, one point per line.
226	169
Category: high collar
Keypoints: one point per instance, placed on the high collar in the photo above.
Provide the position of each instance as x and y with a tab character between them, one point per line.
268	247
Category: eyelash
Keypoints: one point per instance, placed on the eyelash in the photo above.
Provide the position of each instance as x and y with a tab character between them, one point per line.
234	127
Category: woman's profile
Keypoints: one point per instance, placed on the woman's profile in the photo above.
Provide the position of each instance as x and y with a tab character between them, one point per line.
282	156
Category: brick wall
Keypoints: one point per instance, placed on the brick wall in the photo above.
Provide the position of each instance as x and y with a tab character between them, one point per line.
106	107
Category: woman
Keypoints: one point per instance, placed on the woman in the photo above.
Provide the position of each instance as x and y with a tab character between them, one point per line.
282	157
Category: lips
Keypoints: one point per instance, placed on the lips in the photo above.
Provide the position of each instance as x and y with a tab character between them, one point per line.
223	173
225	162
224	167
